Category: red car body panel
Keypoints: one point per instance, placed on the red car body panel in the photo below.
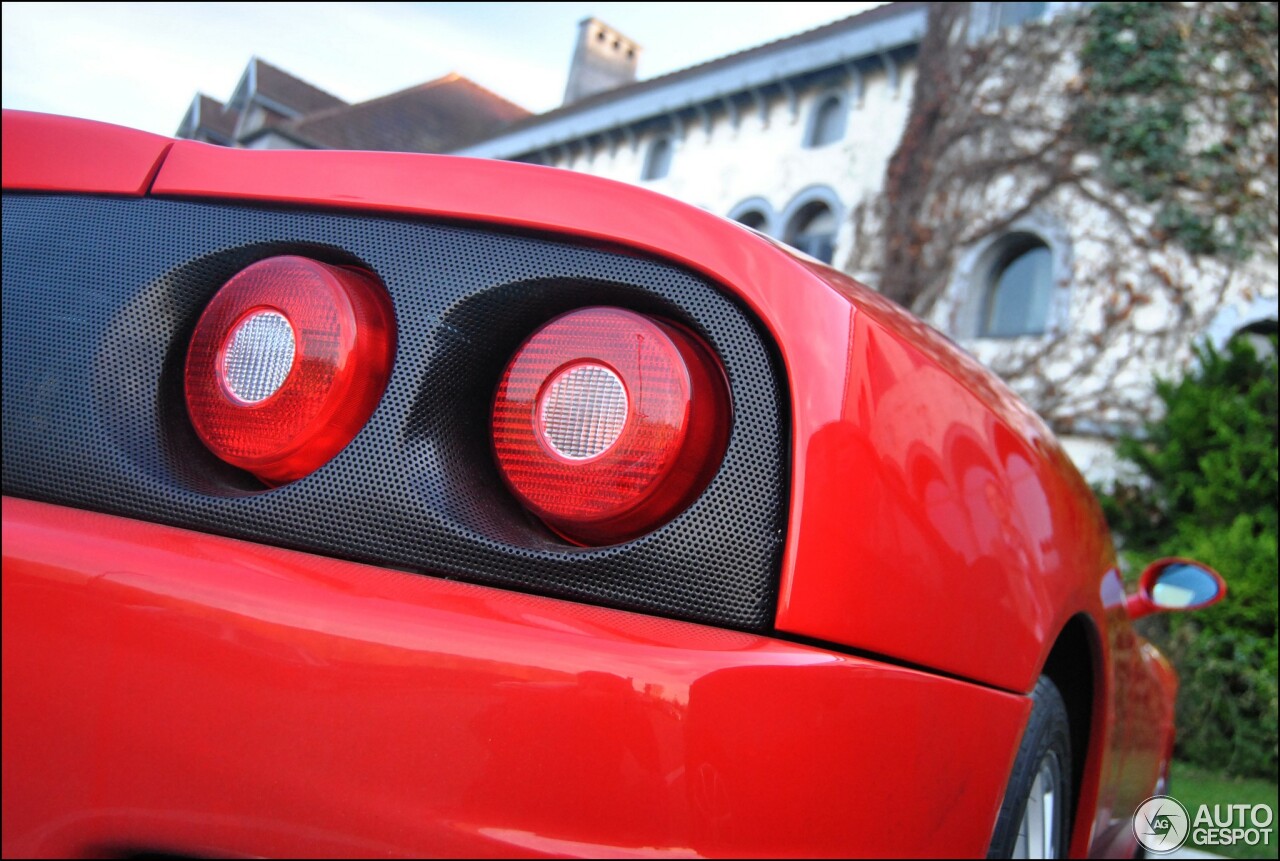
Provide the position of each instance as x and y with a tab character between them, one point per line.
933	522
251	700
48	153
944	472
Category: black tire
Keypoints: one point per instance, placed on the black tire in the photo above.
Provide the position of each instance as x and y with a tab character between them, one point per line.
1045	752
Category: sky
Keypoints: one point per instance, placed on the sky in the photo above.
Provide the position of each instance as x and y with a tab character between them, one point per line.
139	65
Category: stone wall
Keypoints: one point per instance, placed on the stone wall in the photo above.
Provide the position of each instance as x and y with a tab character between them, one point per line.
763	159
1002	141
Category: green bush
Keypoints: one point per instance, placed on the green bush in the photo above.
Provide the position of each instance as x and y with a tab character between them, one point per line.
1209	468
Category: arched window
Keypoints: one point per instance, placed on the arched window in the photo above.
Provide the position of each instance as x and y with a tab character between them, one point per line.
1261	336
826	125
657	162
1018	289
813	230
757	213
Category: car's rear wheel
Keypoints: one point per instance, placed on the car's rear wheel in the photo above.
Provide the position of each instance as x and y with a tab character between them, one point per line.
1035	819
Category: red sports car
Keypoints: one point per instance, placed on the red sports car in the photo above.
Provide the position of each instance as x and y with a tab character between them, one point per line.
370	504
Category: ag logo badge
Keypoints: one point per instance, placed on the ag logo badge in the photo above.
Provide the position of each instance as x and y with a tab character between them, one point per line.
1161	824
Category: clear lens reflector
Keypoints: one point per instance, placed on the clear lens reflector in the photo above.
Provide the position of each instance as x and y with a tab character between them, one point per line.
607	423
583	411
258	356
287	363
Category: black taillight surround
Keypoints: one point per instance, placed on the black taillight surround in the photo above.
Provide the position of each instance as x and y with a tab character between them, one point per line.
102	294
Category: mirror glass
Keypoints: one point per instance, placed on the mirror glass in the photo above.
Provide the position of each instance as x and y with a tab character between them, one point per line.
1182	585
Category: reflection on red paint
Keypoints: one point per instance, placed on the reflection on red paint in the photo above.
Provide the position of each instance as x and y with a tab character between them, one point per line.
171	691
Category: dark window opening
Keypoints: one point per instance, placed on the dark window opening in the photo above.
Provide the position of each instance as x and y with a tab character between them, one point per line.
1018	289
657	162
1261	336
828	122
813	231
1012	14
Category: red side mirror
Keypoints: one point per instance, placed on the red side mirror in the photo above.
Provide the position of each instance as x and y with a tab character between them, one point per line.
1176	584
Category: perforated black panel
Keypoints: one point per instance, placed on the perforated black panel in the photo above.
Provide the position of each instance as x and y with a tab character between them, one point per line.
100	297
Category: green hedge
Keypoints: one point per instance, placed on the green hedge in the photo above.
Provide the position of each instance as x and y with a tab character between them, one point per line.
1209	486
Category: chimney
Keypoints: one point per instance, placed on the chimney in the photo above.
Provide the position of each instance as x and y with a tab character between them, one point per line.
602	60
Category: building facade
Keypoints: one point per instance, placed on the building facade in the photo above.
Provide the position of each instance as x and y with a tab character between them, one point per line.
786	137
1017	245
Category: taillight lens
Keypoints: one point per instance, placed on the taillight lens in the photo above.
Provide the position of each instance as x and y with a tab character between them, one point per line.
607	423
287	364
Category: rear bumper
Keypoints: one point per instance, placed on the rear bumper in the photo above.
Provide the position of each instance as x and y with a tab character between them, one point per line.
167	690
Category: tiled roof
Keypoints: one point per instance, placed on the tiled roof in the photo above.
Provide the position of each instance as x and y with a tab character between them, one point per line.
853	22
432	117
280	86
215	117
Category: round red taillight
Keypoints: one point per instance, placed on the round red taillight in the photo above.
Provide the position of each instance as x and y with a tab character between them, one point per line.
607	423
287	363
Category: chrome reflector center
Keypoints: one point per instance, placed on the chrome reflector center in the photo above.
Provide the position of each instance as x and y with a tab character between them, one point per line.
583	411
258	356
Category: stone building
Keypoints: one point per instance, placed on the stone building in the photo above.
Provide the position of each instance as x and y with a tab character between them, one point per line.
934	151
785	137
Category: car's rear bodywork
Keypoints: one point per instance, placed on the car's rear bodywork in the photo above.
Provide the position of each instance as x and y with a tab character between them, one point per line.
893	552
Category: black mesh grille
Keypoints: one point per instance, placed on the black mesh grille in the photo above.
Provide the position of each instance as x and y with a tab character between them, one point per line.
101	295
